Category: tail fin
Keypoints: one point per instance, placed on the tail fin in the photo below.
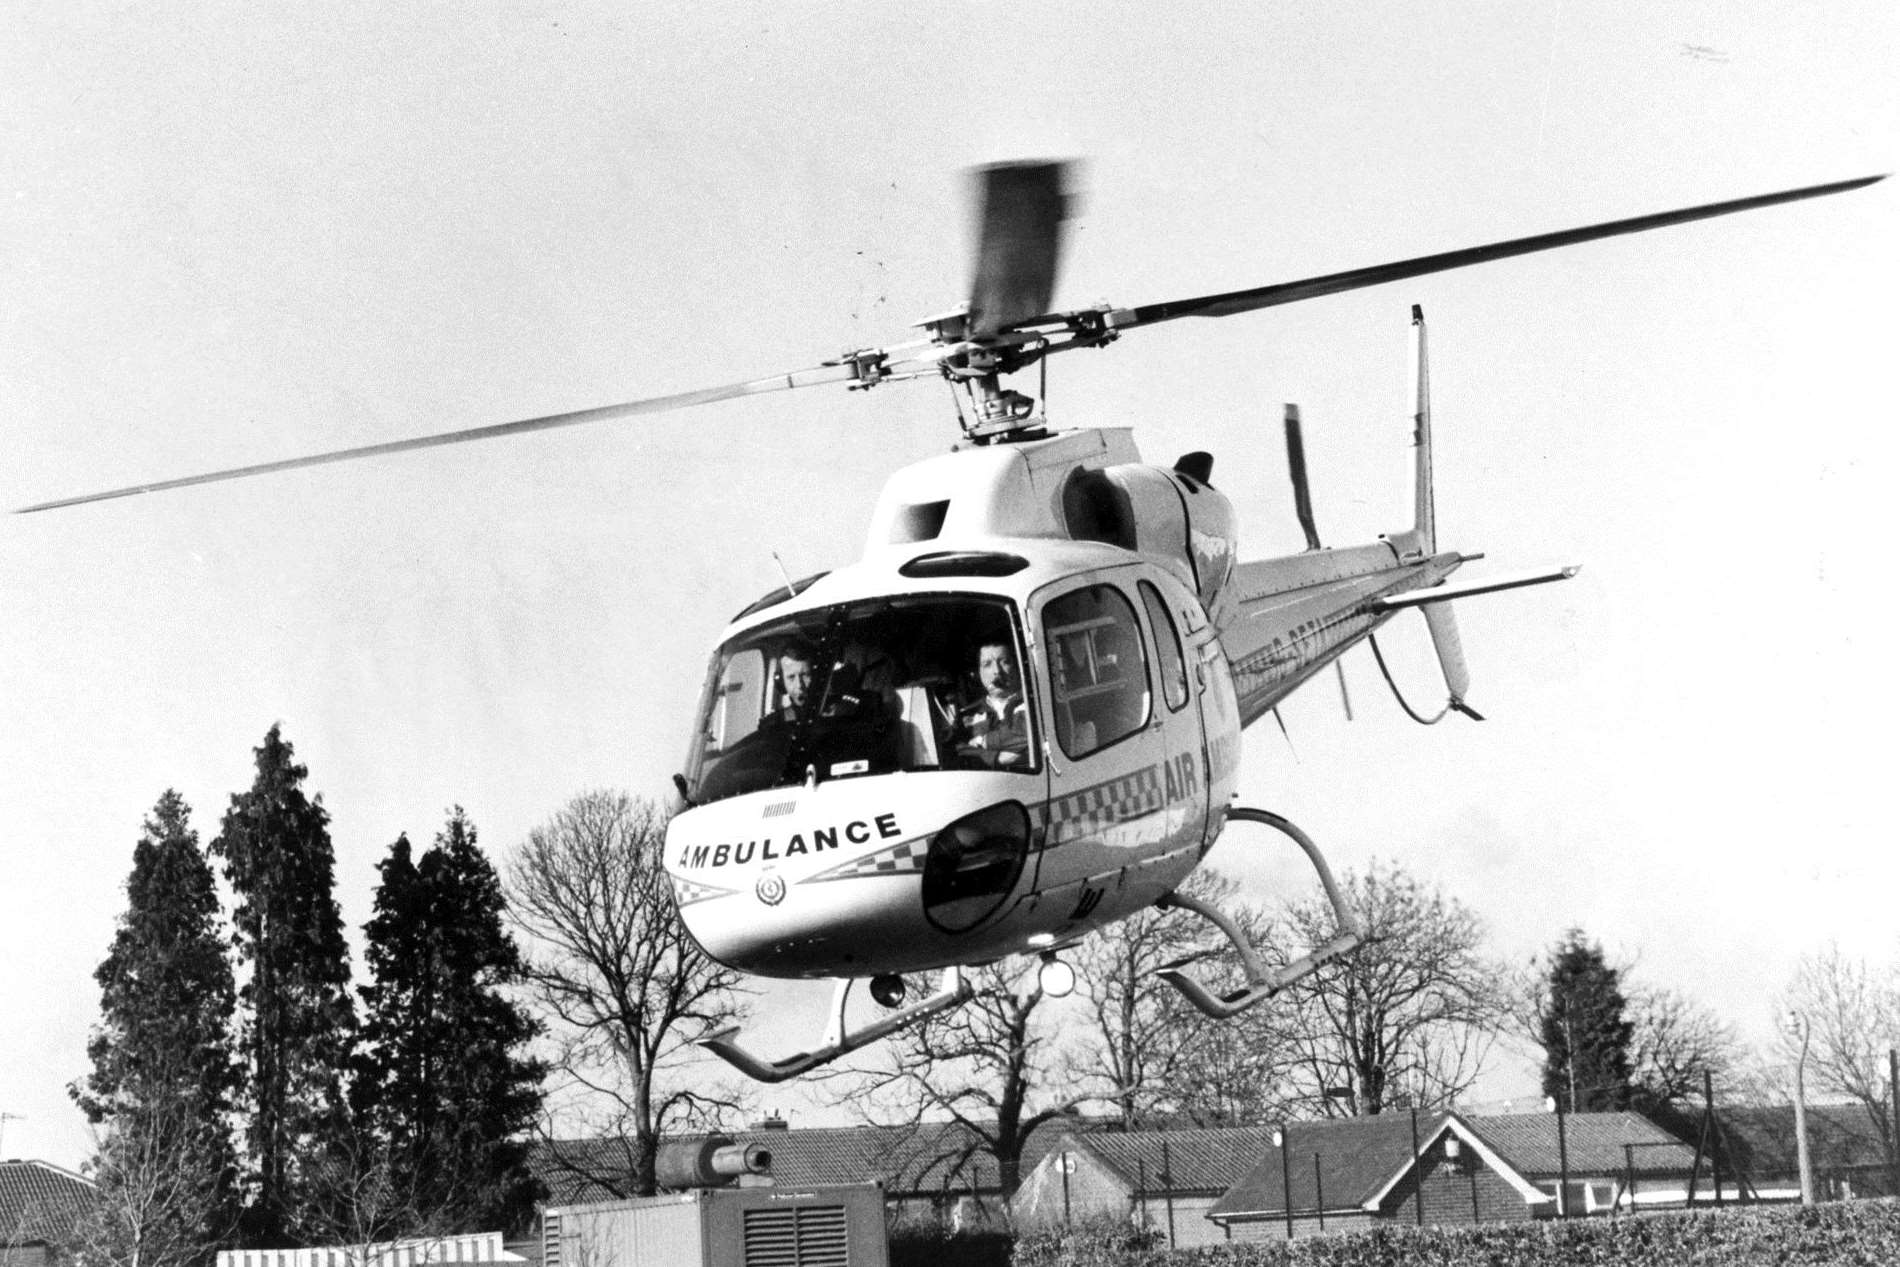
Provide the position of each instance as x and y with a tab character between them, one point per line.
1426	521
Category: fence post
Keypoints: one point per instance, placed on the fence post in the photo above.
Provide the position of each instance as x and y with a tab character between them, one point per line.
1715	1141
1167	1188
1893	1099
1418	1176
1068	1160
1286	1179
1563	1166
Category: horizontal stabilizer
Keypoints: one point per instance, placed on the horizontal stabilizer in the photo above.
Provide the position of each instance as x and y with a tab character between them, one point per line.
1465	589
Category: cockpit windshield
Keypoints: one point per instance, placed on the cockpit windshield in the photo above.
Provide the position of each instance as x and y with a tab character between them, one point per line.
916	682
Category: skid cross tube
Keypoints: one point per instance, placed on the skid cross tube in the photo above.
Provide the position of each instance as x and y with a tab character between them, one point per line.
952	990
1263	983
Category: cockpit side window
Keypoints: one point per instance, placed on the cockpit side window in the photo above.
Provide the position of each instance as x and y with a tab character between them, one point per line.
1098	674
1170	663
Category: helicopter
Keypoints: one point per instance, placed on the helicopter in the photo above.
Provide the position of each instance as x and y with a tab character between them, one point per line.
1018	717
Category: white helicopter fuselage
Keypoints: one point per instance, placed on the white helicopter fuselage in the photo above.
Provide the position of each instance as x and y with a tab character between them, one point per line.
825	876
867	839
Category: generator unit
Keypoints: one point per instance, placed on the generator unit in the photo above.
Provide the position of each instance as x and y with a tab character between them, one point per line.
838	1225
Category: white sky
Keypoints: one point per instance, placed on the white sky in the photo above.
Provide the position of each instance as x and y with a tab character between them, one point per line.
229	237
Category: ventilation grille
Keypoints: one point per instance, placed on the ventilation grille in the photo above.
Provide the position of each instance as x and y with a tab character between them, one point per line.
801	1236
550	1240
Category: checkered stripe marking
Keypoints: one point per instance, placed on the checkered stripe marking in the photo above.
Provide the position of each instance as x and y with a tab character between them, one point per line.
1072	817
906	857
1081	814
687	892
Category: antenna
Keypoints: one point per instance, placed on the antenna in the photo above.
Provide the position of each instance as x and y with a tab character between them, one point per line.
790	590
6	1117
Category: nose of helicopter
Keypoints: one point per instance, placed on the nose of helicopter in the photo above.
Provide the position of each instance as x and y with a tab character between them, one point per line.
841	883
812	930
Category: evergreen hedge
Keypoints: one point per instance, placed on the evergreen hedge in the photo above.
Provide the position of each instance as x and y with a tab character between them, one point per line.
1851	1234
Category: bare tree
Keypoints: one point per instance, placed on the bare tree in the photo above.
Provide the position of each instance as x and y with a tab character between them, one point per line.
158	1204
1853	1011
626	992
1149	1052
981	1065
1409	1017
364	1197
1675	1041
1234	1073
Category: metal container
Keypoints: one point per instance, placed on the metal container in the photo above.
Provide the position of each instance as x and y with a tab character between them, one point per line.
821	1226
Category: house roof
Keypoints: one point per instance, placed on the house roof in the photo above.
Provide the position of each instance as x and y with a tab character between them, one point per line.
1357	1158
40	1202
920	1158
1362	1159
1208	1160
1840	1136
1593	1143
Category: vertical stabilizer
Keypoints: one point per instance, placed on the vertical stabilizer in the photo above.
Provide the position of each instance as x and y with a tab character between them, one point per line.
1426	516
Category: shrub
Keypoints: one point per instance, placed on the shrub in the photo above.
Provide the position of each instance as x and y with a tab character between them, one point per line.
1850	1234
1090	1243
927	1245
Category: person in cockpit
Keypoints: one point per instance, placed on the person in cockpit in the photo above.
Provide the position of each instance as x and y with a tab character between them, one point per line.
796	662
995	730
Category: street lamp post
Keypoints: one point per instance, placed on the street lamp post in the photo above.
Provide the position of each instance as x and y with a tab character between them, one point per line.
1803	1160
1286	1178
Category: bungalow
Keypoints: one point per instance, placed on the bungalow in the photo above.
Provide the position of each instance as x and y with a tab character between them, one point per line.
1166	1180
1347	1174
1611	1160
1847	1151
41	1209
1441	1168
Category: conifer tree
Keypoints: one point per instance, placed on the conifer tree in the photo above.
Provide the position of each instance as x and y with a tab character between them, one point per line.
1584	1031
163	1073
441	1084
298	1022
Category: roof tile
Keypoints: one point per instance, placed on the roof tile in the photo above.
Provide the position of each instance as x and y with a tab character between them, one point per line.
40	1202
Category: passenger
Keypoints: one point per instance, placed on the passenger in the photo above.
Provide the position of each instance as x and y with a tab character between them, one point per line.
995	730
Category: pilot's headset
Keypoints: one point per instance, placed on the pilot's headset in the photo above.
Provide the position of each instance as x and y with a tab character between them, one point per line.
844	695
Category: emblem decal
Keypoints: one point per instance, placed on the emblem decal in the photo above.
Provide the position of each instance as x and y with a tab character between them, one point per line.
771	889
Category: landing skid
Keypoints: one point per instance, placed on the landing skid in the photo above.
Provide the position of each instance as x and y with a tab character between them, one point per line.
951	991
1263	984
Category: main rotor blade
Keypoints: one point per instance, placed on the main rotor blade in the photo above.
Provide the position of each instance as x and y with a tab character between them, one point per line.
1237	301
1019	244
844	372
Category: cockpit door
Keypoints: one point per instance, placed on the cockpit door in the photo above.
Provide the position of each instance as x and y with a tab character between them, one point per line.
1106	746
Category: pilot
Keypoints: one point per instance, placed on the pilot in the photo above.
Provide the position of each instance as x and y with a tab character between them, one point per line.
795	664
995	730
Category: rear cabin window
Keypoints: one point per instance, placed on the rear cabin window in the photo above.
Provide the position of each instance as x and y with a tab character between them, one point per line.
1170	663
1099	679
